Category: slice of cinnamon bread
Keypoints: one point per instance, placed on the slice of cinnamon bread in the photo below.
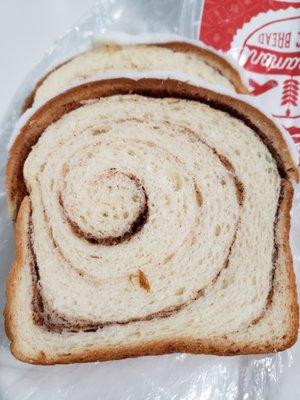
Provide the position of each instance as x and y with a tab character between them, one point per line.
173	56
154	218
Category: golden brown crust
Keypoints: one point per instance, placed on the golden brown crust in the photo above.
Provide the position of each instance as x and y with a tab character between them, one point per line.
71	99
283	228
209	347
217	62
14	275
30	98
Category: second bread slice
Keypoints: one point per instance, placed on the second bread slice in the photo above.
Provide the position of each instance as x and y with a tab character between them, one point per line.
184	57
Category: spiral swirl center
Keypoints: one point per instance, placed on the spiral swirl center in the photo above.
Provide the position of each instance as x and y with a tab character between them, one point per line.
111	207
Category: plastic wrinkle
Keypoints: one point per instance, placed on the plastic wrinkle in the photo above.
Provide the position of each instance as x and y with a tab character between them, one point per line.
169	377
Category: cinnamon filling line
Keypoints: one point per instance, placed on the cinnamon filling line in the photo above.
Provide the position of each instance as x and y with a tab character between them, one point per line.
53	321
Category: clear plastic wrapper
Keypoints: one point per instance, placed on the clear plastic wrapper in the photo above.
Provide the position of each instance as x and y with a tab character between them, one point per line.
177	376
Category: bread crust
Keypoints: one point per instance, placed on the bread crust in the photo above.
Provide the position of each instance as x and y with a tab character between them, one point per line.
217	62
70	100
284	227
14	274
29	100
212	59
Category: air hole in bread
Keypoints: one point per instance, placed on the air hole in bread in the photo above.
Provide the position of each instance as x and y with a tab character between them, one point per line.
180	291
217	230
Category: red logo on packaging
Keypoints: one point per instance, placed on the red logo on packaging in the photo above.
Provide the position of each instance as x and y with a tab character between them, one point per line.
264	37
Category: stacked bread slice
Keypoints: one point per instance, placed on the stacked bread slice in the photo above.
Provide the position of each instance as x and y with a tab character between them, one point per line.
180	56
152	217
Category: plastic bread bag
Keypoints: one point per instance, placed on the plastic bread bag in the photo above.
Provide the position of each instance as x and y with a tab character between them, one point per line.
175	376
